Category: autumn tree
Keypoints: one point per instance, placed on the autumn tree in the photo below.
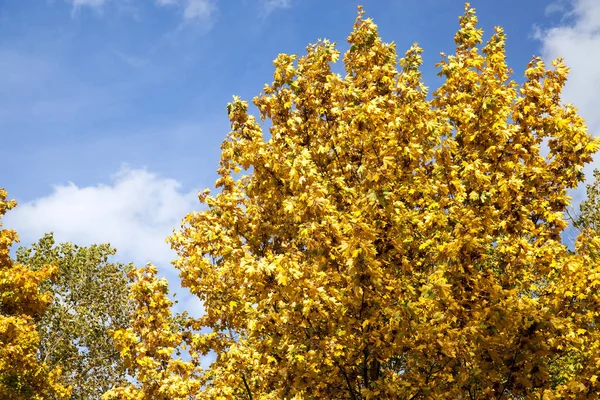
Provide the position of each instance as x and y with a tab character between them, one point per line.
90	299
380	243
22	304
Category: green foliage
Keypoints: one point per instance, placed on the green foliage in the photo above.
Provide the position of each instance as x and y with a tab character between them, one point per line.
589	217
90	299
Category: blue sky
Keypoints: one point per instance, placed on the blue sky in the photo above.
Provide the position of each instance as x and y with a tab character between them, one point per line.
112	111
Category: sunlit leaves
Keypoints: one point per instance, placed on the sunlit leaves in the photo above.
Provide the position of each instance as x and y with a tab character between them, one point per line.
22	304
148	346
380	243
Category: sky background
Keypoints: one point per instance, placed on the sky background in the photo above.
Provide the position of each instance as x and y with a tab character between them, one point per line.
112	111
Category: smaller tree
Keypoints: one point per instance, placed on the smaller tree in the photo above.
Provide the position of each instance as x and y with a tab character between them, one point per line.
22	375
589	217
90	300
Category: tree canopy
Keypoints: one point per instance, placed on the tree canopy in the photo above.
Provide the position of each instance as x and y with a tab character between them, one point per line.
378	242
90	300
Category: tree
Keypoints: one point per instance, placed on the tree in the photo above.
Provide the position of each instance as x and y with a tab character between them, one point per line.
589	217
22	376
90	299
380	244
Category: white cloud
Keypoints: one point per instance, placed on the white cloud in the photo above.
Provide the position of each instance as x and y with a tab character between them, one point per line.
199	10
89	3
577	40
268	6
558	6
196	11
97	5
202	11
135	214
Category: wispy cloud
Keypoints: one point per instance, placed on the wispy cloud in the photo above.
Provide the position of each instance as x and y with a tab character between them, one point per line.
199	10
558	6
89	3
193	11
96	5
133	61
135	214
268	6
577	40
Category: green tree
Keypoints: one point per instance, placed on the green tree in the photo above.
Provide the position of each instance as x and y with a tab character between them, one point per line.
589	217
90	299
380	243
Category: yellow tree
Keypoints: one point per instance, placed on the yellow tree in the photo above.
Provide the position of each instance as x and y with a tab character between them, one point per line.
22	376
148	346
377	243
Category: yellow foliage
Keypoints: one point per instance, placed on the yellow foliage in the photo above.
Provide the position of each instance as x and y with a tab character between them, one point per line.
147	347
22	376
377	243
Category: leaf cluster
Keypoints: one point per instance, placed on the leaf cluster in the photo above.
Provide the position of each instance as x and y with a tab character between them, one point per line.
22	375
